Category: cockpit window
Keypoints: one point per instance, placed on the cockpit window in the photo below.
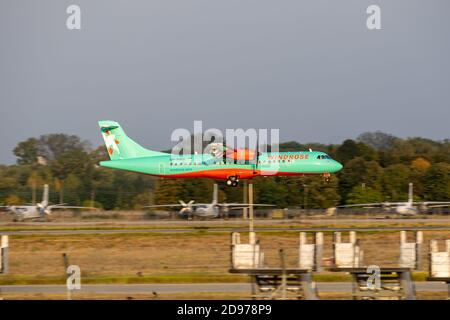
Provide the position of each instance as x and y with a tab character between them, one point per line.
323	156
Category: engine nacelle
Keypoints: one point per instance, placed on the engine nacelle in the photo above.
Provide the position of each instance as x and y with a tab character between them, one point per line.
241	154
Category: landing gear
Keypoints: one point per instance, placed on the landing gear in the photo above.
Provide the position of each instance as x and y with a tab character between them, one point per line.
232	181
327	177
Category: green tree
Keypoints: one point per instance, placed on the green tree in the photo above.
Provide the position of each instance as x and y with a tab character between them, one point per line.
27	151
364	195
436	182
351	149
358	171
395	181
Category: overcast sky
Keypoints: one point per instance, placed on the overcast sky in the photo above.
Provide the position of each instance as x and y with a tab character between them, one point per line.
310	68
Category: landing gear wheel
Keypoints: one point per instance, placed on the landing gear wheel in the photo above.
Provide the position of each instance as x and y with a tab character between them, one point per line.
327	177
232	181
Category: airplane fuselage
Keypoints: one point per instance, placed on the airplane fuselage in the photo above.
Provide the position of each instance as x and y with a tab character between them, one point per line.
208	166
26	213
210	211
406	210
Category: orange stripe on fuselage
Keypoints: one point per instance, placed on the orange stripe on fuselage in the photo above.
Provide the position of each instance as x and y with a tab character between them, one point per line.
225	173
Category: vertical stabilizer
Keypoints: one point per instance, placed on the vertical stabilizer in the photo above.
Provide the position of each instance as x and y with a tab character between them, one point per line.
410	193
45	196
119	145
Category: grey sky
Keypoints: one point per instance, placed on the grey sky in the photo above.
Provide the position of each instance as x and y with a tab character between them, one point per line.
310	68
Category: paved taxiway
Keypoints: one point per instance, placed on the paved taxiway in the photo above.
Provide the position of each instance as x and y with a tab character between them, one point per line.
188	288
210	230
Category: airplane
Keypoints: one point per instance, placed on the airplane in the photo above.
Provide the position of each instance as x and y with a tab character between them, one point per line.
39	210
208	210
407	208
231	165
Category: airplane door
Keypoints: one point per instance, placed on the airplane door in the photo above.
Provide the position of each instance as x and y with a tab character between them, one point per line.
162	168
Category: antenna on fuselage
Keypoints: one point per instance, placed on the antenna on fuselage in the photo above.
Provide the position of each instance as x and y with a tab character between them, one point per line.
310	150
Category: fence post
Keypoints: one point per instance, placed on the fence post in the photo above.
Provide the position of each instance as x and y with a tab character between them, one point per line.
4	265
318	251
419	241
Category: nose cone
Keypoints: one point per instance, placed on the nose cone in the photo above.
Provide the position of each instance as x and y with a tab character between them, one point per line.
337	166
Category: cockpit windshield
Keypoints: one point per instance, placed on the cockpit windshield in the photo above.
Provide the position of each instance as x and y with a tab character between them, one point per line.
323	156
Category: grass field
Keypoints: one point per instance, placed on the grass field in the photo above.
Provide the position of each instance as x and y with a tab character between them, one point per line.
173	258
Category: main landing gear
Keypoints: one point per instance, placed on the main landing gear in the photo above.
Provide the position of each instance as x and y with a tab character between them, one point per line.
232	181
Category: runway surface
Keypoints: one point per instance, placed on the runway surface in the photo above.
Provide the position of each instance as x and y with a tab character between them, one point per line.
342	287
230	222
210	230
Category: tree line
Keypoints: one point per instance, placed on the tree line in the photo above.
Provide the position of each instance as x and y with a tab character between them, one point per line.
377	167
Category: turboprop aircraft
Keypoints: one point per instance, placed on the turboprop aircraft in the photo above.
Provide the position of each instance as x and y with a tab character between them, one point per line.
208	210
38	210
227	164
405	208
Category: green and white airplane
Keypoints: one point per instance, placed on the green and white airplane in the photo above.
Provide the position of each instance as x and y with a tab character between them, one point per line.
232	165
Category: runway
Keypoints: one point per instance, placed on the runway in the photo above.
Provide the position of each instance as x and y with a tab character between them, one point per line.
210	230
341	287
221	222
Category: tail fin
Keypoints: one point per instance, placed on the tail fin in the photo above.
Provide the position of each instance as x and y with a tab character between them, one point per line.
45	196
410	193
119	146
215	194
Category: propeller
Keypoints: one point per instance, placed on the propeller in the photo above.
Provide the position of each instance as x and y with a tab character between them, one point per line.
187	207
44	209
215	149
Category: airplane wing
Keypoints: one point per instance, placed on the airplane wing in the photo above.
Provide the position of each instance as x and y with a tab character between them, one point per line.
244	205
63	206
364	205
164	205
433	202
439	205
178	205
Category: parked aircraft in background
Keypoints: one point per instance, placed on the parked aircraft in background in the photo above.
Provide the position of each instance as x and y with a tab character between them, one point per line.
406	208
39	210
208	210
228	164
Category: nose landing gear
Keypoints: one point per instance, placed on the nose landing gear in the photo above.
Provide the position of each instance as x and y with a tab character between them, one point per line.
233	181
327	177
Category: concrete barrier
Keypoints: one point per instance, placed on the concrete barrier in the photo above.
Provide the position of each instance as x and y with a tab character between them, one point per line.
310	254
347	254
248	255
4	246
439	260
411	252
